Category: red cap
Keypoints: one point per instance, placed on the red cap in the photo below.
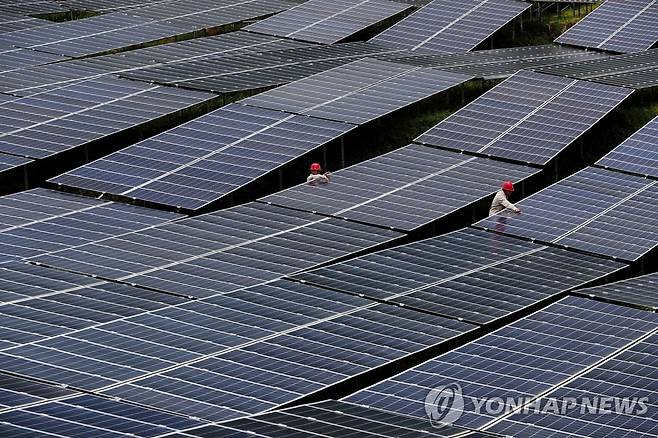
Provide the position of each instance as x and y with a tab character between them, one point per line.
316	166
507	185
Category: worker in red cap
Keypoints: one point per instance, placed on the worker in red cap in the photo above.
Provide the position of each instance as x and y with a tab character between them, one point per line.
316	177
500	201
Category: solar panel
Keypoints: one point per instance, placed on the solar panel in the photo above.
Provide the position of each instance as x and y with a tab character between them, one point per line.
358	92
224	251
595	210
207	158
16	391
28	81
203	14
641	291
9	162
633	70
404	189
637	154
466	274
108	352
55	303
497	63
12	58
524	359
39	221
68	117
93	35
248	72
88	415
618	26
335	419
328	22
447	26
107	5
628	376
283	368
530	117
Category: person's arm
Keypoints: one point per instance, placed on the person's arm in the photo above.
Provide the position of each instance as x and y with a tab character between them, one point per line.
509	205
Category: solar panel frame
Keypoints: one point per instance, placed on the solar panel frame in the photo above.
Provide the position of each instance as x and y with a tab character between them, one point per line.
207	158
358	92
530	117
601	211
328	23
451	27
637	154
617	26
403	189
519	360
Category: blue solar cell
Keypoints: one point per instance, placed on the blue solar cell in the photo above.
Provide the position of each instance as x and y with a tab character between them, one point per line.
638	154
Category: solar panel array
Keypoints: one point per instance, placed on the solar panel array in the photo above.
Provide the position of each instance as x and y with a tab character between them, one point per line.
628	376
530	117
332	419
38	221
220	252
247	72
9	162
28	81
12	58
525	359
497	63
358	92
633	70
468	274
404	189
48	123
641	291
207	158
328	22
447	26
280	369
617	26
120	30
637	154
595	210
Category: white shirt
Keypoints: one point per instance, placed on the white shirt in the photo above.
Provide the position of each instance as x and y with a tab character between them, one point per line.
500	203
317	178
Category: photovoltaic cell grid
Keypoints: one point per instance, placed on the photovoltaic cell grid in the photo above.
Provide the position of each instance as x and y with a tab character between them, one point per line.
220	252
637	154
283	368
9	162
105	353
28	81
13	59
203	14
403	189
633	70
447	26
92	35
466	274
358	92
55	121
497	63
641	291
631	375
207	158
333	419
248	72
595	210
16	391
617	26
530	117
328	22
89	415
38	304
38	221
107	5
524	359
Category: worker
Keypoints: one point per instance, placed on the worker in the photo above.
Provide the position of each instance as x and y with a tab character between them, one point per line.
317	177
500	201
